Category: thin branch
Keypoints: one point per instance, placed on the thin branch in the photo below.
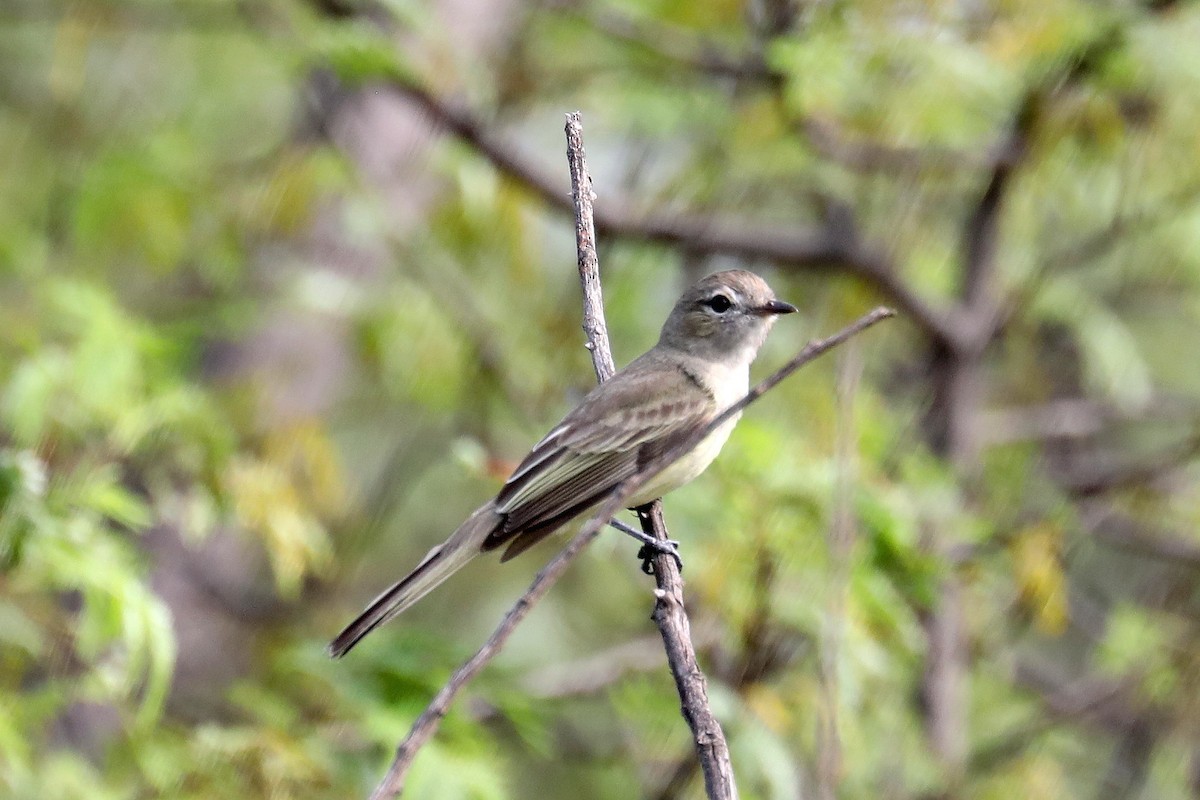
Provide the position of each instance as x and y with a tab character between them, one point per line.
861	154
672	621
1106	704
680	777
1123	533
427	723
1099	478
582	196
675	44
1138	221
669	614
979	239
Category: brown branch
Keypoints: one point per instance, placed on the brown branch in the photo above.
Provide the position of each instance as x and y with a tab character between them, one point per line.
669	615
979	240
1078	418
429	720
672	621
675	44
861	154
1095	479
1123	533
585	245
837	245
1105	704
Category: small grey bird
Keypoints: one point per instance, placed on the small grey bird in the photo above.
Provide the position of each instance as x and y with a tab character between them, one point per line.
700	366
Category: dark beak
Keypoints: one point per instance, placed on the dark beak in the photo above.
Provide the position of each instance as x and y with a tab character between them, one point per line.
775	307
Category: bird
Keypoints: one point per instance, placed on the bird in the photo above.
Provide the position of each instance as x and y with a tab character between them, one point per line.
699	367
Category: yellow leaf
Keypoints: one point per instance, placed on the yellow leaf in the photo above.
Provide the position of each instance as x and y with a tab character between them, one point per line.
769	706
1040	580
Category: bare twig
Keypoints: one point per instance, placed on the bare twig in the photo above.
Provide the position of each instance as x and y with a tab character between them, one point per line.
669	614
671	618
426	724
585	244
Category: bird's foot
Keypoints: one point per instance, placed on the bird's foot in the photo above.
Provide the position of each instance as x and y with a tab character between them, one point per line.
651	547
659	547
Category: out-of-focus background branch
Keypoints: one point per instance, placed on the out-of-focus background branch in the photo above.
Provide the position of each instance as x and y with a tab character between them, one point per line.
287	288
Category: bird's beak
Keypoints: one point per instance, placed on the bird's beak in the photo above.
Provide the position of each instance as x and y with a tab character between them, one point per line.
775	307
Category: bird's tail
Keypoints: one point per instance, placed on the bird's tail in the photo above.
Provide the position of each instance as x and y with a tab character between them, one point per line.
441	562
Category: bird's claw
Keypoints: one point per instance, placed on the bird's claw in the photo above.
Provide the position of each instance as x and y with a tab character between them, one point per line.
659	547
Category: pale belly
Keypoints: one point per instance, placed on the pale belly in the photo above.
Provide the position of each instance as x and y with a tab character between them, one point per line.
729	388
686	468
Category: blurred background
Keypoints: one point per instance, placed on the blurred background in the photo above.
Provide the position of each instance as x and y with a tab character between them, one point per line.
288	286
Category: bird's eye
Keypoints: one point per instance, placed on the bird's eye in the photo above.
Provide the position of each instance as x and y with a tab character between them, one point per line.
719	303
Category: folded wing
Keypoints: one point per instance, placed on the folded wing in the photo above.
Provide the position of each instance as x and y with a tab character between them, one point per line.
620	426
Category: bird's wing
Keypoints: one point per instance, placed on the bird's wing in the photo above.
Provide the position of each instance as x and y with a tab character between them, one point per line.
617	428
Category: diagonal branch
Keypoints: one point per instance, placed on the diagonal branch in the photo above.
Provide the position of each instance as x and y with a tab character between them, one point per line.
674	44
979	241
429	720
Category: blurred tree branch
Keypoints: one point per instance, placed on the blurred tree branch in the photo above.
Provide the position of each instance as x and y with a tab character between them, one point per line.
951	428
692	52
673	44
1123	533
838	245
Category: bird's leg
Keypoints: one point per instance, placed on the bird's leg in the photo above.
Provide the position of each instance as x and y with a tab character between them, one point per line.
651	547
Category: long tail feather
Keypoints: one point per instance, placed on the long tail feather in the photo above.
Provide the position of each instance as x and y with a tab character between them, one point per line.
442	562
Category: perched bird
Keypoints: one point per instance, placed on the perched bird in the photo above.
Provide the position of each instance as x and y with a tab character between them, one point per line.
699	367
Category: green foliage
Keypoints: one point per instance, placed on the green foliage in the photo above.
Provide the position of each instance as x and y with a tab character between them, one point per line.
261	350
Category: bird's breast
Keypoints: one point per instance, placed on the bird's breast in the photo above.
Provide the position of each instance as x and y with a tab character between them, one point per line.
727	387
687	468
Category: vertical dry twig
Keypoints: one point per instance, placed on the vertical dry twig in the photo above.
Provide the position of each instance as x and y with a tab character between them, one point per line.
669	613
585	245
672	620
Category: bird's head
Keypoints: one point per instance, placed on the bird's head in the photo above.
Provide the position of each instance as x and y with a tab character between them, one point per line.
725	315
